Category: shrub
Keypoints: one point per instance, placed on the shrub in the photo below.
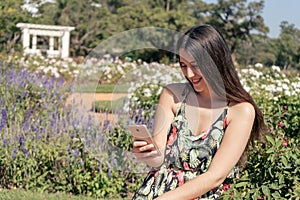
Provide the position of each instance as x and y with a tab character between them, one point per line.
43	146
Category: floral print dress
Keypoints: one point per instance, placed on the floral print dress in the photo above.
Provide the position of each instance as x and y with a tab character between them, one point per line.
187	156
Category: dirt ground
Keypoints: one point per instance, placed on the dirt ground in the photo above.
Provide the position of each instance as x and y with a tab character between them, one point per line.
83	101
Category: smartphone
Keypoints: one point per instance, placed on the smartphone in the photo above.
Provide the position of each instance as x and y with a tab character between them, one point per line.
141	132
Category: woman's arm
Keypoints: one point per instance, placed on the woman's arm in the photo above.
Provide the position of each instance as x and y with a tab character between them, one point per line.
163	118
240	121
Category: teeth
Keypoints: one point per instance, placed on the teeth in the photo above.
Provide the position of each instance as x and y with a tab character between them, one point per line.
195	80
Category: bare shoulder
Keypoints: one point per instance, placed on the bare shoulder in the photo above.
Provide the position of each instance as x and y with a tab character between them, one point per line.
243	110
175	89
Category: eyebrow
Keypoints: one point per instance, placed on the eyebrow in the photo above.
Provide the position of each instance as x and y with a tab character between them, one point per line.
193	62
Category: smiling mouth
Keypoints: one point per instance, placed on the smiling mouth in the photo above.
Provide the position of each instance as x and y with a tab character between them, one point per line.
196	81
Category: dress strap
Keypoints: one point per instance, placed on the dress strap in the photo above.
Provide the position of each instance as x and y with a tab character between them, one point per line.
185	92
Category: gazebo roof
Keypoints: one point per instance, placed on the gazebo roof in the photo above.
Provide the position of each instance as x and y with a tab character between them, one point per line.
45	27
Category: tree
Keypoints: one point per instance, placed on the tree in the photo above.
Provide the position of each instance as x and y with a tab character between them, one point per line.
237	21
11	13
287	46
170	15
256	50
89	18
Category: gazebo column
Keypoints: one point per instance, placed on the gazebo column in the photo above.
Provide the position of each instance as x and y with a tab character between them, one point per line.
51	46
26	39
34	41
65	44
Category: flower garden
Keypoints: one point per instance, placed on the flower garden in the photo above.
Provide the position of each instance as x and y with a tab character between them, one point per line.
50	146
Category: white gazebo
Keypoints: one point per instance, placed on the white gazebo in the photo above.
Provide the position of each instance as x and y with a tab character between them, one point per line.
61	34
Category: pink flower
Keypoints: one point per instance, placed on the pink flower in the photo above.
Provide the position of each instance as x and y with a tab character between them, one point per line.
285	107
261	197
285	143
225	187
280	124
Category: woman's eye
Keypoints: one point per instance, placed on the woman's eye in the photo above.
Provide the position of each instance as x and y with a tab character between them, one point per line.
194	66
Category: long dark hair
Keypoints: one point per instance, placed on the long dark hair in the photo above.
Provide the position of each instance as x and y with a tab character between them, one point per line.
208	47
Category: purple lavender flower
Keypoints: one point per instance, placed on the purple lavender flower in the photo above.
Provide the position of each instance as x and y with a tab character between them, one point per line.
25	122
100	166
81	162
109	172
4	119
13	156
4	142
106	124
24	150
22	142
23	94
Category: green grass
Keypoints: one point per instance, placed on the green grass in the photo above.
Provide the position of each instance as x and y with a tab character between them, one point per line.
91	88
30	195
108	106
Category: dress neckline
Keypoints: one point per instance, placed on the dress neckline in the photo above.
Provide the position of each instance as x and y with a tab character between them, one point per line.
221	117
181	110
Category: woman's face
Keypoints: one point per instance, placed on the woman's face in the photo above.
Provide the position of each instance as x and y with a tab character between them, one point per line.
192	71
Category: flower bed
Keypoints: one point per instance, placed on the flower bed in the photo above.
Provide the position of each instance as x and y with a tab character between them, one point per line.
48	146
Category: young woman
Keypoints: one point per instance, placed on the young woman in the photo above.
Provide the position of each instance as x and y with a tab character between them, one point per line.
203	127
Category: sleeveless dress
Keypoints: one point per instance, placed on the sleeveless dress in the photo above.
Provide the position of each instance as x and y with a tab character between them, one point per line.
187	156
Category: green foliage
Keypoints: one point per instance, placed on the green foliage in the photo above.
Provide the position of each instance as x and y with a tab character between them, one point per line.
108	106
272	170
29	195
288	46
41	148
236	19
239	21
11	13
89	29
101	88
273	164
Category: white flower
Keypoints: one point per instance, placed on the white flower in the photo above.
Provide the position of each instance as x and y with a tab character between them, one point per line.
287	92
279	89
285	86
285	80
258	65
244	71
276	68
147	92
270	88
247	88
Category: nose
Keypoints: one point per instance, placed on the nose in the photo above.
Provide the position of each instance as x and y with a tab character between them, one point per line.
189	72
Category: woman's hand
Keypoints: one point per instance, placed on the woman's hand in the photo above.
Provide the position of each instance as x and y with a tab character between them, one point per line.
147	153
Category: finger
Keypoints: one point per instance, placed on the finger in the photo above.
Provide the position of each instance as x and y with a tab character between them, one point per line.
146	154
147	147
139	143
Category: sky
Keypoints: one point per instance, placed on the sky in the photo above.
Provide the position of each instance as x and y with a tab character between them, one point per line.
276	11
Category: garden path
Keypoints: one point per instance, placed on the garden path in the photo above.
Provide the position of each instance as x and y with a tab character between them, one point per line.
83	101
